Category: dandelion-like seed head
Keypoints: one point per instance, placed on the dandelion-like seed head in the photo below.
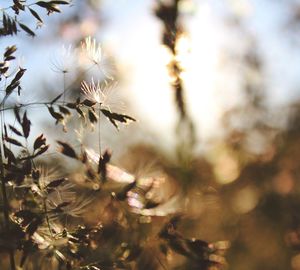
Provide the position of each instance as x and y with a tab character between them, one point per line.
92	91
63	60
92	49
102	94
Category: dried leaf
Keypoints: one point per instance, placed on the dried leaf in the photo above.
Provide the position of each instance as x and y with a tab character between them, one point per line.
18	76
26	125
9	51
92	116
36	15
11	87
113	117
67	150
42	150
103	160
88	103
27	29
13	141
122	195
39	141
80	112
55	115
9	155
64	110
72	105
55	183
60	2
16	112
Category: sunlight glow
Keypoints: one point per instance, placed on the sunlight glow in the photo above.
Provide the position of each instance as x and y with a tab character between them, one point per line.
144	62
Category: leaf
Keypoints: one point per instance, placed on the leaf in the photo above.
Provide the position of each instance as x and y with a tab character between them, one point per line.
59	117
14	130
64	110
9	155
26	167
27	29
5	130
50	6
39	141
176	244
63	204
88	103
10	88
36	15
43	4
197	246
60	206
36	175
42	150
18	6
16	112
67	150
150	204
113	117
9	26
18	76
84	157
26	125
25	216
122	195
33	226
92	117
80	112
13	141
9	51
60	2
72	105
55	183
103	160
9	58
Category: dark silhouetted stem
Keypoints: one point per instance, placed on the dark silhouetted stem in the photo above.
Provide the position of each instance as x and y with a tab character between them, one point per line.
5	210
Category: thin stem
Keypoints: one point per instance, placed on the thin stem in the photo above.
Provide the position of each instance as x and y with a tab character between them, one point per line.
5	199
99	130
64	85
31	104
66	90
5	211
47	217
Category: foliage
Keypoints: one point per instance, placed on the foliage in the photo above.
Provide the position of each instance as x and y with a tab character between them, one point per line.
45	223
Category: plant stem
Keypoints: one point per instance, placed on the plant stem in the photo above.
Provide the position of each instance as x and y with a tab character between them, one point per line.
5	210
4	193
99	131
47	217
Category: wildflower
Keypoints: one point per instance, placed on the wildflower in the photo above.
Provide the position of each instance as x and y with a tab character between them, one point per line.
63	60
102	94
93	91
92	50
60	198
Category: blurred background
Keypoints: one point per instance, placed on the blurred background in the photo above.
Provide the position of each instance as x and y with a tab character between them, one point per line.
215	88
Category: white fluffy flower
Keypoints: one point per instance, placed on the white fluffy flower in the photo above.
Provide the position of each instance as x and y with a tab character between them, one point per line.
103	94
92	49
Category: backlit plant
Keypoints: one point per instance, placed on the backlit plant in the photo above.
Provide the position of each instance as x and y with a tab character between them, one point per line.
44	209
